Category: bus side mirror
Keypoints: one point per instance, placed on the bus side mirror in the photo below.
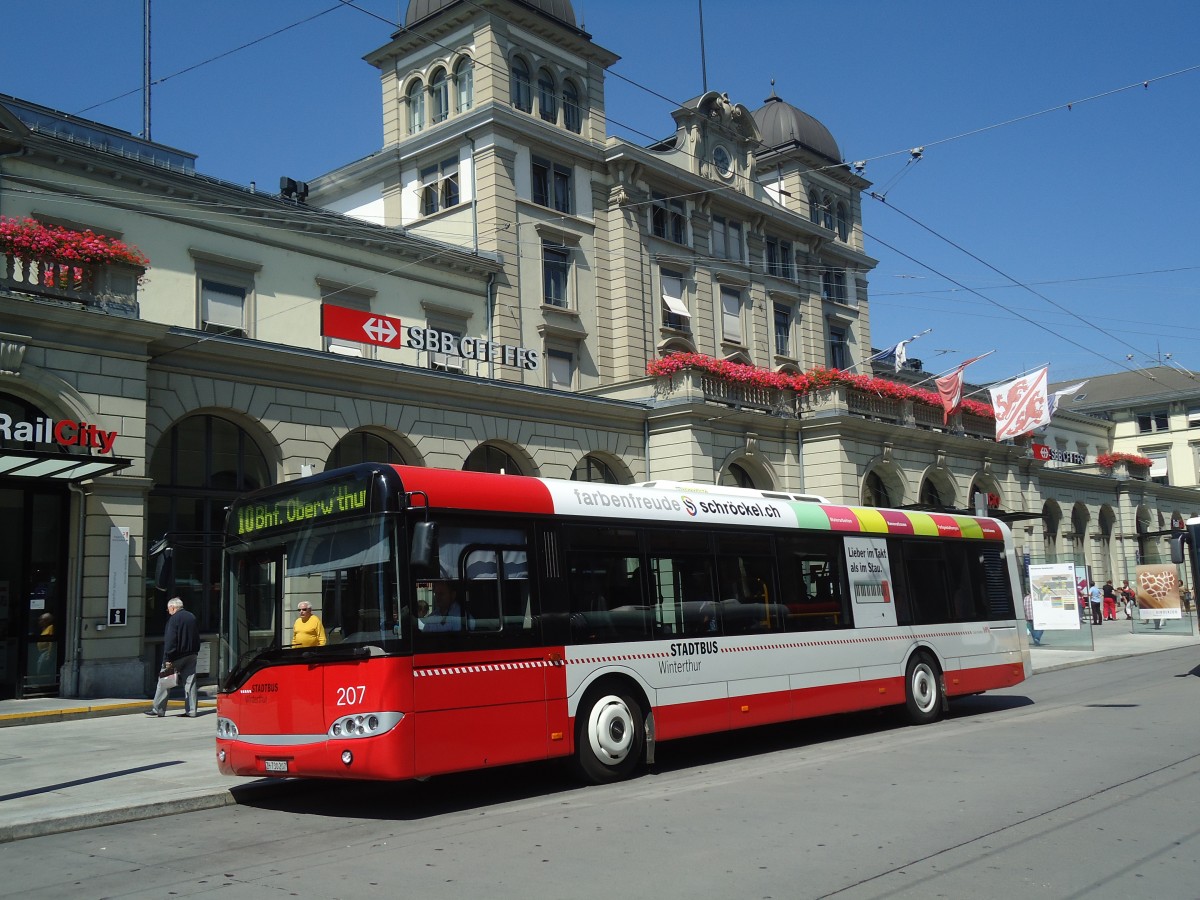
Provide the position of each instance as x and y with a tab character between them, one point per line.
1177	551
424	544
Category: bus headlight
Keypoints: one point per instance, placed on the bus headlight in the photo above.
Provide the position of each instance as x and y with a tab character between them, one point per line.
362	725
226	729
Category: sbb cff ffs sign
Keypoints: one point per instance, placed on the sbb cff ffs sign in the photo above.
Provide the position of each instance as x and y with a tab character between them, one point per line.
360	327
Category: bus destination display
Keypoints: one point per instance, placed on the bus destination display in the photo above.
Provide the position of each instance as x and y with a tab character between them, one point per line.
324	502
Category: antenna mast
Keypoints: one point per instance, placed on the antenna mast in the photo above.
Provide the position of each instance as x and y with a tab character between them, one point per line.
703	63
146	69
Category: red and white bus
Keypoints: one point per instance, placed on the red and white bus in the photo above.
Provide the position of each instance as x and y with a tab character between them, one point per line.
478	620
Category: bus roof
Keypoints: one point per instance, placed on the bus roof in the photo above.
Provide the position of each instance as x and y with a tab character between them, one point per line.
679	502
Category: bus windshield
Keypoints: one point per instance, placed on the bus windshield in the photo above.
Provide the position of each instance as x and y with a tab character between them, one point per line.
343	574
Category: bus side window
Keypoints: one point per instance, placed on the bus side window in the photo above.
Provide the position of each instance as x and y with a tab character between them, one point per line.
811	573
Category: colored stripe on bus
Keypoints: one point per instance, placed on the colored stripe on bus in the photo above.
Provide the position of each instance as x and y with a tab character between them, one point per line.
478	490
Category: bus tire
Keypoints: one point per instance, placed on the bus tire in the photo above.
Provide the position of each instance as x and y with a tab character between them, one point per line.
922	690
610	735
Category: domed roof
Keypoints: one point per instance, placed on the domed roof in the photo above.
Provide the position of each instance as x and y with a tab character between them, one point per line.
555	9
780	123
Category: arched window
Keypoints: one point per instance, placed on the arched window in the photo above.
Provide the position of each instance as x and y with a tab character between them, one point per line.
360	447
591	468
814	206
843	225
439	95
875	491
464	83
416	106
547	96
201	464
930	496
572	111
827	212
487	458
737	476
522	96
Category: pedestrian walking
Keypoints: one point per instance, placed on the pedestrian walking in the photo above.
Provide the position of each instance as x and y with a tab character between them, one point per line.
181	644
1096	600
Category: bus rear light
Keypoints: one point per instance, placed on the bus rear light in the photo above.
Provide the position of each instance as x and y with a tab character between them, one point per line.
362	725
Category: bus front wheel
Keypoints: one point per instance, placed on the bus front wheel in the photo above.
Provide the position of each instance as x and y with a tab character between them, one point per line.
610	736
923	691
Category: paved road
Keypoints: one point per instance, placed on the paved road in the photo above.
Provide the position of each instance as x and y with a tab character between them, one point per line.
1082	782
75	764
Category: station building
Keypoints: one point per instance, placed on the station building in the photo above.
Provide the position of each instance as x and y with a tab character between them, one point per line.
515	273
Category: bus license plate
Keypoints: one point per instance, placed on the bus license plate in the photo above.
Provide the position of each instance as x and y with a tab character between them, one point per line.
275	765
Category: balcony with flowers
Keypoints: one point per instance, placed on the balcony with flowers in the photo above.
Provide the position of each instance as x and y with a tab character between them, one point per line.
1124	465
817	392
74	266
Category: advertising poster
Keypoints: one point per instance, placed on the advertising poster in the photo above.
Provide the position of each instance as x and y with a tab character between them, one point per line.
1157	588
1055	594
870	581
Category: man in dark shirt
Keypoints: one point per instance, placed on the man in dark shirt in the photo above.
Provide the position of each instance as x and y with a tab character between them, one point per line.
181	643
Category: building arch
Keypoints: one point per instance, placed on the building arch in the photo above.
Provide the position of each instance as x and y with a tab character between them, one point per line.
937	489
1052	516
573	105
1080	519
1147	543
883	485
371	444
414	103
464	83
1106	519
200	464
601	468
747	472
500	457
439	95
520	87
987	485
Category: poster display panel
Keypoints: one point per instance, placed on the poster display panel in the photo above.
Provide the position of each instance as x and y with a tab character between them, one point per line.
1054	589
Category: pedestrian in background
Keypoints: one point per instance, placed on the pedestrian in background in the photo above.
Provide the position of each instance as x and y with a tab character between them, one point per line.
1110	601
1036	635
181	644
1096	600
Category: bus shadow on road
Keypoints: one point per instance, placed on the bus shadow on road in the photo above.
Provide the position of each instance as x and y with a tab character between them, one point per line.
477	790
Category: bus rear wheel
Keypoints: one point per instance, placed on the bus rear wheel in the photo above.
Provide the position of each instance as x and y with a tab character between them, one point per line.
923	690
610	736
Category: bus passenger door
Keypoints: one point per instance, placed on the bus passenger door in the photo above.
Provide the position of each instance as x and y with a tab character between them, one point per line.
480	673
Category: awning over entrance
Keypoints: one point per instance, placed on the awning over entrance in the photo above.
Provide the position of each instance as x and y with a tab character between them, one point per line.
62	467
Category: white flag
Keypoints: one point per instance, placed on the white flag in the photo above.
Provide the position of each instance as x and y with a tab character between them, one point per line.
1065	392
1021	404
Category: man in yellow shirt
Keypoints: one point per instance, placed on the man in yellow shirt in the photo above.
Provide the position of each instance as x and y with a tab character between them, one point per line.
308	630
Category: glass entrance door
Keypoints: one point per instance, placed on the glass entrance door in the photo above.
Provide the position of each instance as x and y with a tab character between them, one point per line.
32	590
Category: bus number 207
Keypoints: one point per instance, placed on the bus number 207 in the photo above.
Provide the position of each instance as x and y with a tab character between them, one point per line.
350	696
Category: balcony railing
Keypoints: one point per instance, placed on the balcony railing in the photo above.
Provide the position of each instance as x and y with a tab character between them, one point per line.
111	287
836	400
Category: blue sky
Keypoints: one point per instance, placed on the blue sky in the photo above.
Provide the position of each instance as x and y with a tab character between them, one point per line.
1093	209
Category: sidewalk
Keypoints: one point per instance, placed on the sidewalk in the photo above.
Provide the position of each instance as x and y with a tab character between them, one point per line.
76	764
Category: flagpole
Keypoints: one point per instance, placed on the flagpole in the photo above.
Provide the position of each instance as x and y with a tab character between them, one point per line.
951	369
